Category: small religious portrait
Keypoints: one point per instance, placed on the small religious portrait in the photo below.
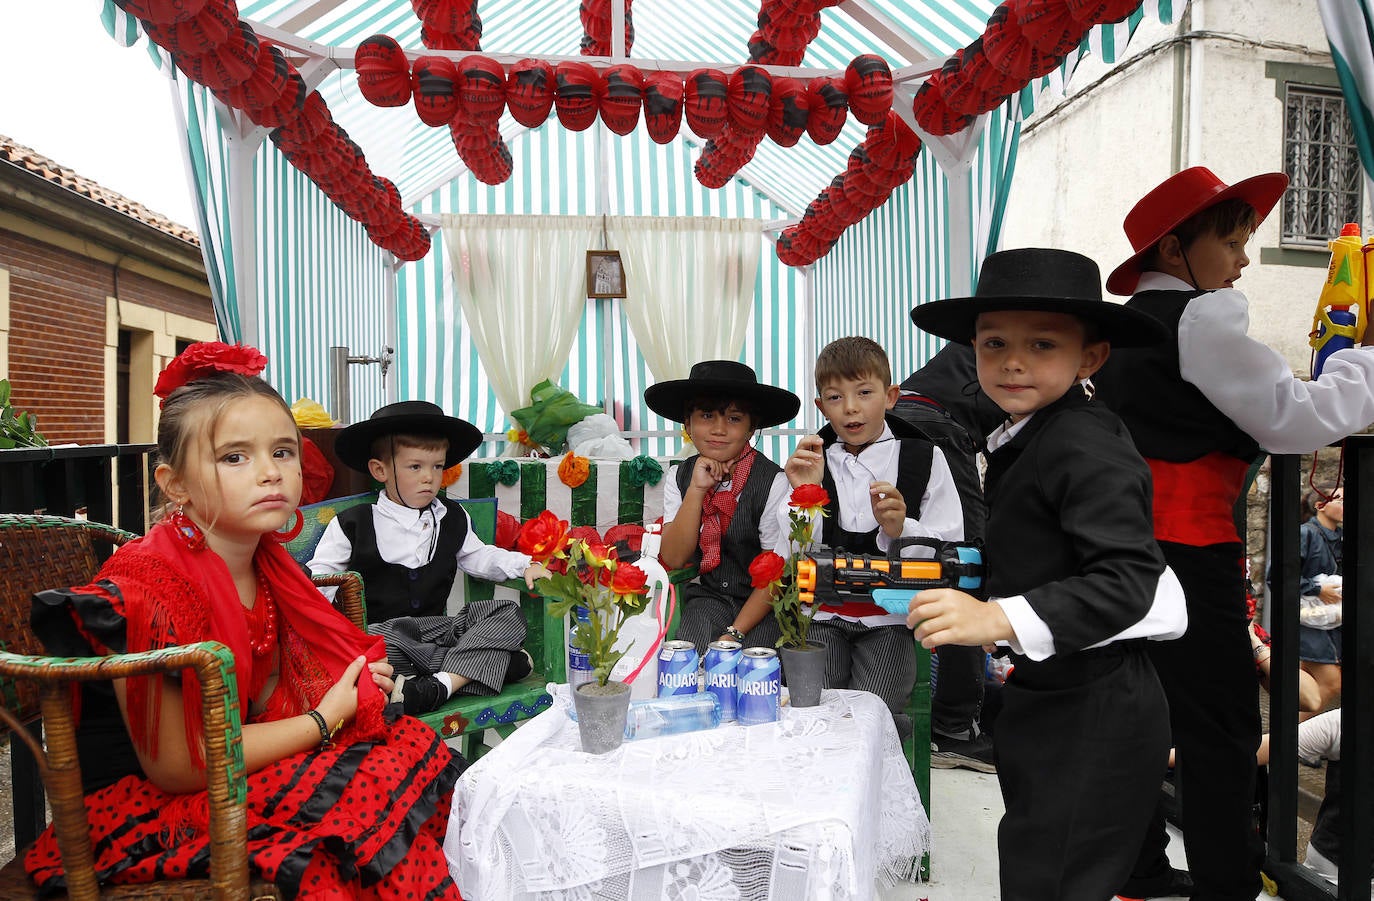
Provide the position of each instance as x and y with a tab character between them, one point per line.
605	274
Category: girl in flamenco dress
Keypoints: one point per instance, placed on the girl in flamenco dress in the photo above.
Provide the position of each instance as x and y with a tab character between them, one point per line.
345	798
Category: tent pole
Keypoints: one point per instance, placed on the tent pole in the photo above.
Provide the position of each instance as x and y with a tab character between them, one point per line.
243	235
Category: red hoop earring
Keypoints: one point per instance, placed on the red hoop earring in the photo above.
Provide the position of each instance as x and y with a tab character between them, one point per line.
186	529
291	533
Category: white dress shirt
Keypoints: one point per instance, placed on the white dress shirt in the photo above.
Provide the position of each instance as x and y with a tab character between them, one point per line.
407	537
1253	384
942	515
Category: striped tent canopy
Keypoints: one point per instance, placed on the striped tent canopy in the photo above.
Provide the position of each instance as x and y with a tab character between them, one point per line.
292	273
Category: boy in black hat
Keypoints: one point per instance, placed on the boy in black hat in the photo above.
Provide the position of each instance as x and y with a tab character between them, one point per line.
409	547
720	505
1074	575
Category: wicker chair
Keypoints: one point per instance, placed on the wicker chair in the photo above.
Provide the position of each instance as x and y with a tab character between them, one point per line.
41	552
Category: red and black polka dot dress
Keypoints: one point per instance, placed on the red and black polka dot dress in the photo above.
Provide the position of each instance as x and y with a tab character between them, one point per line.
360	820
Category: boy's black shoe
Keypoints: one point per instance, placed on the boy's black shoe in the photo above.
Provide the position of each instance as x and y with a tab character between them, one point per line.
969	753
421	694
520	665
1173	883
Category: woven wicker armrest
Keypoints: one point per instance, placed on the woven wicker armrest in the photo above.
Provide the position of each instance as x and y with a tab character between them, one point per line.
225	780
350	598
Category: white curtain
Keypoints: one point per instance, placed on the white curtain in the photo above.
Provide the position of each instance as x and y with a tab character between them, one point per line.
521	282
690	286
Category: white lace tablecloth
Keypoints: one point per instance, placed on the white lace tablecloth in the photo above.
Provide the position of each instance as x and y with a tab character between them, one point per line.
818	805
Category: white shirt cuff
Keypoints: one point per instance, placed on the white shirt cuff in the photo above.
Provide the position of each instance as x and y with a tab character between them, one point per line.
1033	638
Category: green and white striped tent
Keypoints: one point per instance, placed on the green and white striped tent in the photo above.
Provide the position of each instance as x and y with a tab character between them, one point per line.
294	275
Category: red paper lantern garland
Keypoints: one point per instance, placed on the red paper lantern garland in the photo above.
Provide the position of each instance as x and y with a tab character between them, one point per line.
1024	39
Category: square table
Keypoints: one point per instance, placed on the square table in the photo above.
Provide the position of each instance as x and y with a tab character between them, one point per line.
820	804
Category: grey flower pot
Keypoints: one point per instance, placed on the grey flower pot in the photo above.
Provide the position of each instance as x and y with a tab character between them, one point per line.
804	669
601	711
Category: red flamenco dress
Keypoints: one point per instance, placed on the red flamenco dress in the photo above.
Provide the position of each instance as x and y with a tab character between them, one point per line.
363	819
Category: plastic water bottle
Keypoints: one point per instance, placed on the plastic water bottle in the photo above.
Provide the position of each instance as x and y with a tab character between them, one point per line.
579	664
671	715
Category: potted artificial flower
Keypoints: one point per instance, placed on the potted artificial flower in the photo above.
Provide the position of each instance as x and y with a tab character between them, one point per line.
803	661
587	574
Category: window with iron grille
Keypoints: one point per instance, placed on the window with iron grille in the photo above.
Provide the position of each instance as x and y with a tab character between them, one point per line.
1323	166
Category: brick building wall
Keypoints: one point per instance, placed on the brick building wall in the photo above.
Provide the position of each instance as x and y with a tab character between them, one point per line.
95	293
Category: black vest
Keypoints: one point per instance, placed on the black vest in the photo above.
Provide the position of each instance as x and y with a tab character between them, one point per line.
1169	419
913	474
740	543
394	590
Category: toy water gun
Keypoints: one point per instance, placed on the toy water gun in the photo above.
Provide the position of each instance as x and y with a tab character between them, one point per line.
827	577
1343	307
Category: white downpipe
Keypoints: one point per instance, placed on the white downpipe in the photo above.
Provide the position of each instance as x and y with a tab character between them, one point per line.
960	225
1195	93
243	235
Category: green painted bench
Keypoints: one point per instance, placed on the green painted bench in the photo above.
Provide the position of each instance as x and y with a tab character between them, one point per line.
465	717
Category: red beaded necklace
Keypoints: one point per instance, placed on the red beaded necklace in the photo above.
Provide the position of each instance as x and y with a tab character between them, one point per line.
262	621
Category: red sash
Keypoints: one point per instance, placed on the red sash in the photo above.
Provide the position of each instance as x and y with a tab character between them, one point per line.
1194	502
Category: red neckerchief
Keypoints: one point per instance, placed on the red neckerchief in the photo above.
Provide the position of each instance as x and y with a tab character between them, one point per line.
181	596
718	508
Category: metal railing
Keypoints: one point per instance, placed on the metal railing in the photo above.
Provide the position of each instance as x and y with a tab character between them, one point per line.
1296	882
106	483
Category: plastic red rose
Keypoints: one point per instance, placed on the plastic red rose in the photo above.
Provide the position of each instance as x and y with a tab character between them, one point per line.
766	569
808	497
542	537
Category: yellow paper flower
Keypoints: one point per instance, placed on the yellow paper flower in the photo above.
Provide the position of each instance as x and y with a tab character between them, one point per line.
574	470
310	415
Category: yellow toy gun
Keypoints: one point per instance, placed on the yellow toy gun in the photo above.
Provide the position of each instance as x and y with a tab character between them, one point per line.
1334	325
827	576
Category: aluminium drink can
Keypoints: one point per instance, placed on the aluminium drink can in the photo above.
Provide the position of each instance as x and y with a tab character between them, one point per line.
760	683
677	668
722	660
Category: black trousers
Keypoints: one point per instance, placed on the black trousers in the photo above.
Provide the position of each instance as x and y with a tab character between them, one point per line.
1209	678
1081	746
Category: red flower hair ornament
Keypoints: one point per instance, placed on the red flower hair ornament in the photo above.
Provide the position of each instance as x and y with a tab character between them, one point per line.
206	358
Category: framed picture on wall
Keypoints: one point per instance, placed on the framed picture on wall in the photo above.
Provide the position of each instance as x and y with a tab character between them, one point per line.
605	274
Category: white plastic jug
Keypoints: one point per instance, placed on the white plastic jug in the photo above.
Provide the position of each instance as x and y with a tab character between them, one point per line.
642	633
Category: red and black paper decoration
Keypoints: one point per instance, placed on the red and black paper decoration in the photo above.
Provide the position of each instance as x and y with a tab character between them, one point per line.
434	82
829	108
383	71
577	95
663	93
624	96
868	82
529	92
704	102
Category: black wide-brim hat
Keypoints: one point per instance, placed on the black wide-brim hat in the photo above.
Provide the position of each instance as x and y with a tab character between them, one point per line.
353	446
772	406
1040	280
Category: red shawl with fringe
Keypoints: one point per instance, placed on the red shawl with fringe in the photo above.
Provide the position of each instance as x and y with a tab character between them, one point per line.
180	596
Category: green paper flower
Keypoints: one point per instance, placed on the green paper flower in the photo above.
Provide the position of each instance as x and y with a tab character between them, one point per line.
644	470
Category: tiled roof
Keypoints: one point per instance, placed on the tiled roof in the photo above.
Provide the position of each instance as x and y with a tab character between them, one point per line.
26	158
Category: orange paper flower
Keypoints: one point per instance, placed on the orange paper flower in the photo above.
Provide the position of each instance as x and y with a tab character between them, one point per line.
451	475
574	470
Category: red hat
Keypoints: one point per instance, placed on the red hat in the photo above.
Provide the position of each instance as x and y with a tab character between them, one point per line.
1179	198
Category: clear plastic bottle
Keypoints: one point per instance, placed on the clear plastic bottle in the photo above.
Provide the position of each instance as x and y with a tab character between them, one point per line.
579	667
668	716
